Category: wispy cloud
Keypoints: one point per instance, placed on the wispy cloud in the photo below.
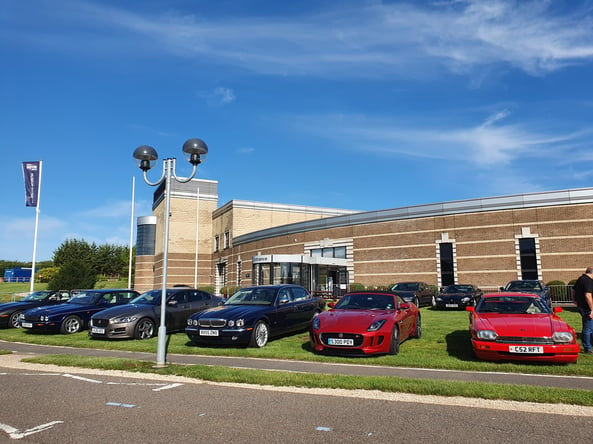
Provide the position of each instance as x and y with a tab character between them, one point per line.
218	96
375	38
485	144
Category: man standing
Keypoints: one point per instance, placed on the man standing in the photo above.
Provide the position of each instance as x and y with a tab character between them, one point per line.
583	297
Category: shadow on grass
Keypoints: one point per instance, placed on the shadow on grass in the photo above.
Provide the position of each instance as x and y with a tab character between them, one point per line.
459	345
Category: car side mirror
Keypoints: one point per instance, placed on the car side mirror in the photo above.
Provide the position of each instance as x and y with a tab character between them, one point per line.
331	304
404	306
501	288
284	300
172	303
470	309
557	309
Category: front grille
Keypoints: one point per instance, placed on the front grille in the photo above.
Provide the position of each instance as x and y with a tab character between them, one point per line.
523	340
100	322
358	339
215	323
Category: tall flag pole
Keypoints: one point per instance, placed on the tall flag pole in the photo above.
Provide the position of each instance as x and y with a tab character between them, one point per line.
131	234
32	176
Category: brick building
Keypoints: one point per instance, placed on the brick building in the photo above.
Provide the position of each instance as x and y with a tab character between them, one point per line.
486	241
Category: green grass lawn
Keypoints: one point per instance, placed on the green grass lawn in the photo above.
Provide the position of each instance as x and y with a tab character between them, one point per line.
444	344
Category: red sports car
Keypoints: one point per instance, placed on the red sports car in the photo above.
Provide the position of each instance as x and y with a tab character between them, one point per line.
520	327
366	322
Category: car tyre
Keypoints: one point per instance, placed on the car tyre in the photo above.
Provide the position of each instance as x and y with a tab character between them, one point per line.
13	322
394	345
417	302
260	335
71	325
418	330
144	329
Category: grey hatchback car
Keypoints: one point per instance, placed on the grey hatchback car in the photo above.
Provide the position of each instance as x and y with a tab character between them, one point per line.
140	318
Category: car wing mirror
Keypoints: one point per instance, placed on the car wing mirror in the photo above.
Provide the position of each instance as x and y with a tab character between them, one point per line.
557	309
470	309
284	300
172	303
404	306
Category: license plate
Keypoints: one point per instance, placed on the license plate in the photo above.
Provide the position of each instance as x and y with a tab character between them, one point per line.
26	325
208	332
99	331
533	349
338	341
452	305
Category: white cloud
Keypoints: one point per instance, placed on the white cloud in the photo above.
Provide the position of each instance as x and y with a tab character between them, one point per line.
376	38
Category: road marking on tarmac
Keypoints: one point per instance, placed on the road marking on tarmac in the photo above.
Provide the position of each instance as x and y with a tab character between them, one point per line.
15	433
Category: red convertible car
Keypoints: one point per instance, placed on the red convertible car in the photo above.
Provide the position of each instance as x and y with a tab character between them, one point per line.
366	322
520	327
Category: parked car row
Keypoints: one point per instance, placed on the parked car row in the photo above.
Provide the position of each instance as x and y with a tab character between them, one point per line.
503	325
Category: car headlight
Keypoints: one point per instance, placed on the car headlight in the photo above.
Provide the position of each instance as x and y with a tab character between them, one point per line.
316	323
124	320
487	335
44	318
192	322
465	299
376	325
562	336
439	298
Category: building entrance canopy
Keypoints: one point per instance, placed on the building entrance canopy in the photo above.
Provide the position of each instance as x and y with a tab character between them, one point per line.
320	275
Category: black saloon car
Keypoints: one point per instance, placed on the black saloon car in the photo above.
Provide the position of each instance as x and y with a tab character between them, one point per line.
140	318
254	314
458	296
74	315
530	286
11	312
419	293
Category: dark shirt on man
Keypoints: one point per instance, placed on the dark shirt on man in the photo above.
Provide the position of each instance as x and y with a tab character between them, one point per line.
584	284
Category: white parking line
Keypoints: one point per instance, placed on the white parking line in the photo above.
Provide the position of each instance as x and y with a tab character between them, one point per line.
15	433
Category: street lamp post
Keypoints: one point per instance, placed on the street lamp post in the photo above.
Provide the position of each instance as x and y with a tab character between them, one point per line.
195	150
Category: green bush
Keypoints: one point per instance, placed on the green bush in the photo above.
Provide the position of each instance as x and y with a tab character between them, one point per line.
356	287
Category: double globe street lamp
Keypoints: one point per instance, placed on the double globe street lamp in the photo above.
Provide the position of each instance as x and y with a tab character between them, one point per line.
195	151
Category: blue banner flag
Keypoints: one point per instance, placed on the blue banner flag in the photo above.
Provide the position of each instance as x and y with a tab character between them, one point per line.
31	175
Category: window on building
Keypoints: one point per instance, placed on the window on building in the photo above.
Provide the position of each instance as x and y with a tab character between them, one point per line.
216	243
227	239
528	256
447	263
336	252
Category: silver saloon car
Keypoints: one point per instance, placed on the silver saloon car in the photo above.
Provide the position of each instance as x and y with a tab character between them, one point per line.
141	317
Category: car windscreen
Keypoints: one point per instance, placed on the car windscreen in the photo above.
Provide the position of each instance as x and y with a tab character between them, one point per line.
253	296
366	302
405	286
37	296
152	297
458	289
523	285
86	298
512	305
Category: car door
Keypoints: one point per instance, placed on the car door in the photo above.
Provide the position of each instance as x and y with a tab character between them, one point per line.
305	307
404	320
286	316
198	301
178	310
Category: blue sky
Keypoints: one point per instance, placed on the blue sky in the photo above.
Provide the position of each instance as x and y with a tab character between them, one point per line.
361	105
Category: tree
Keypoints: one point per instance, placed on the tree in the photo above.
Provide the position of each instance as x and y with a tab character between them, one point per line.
73	274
